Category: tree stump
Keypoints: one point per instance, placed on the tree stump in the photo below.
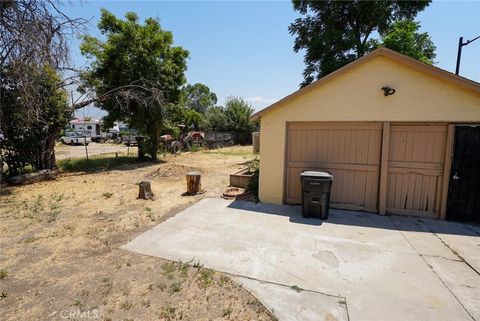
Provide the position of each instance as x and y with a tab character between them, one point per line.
193	182
145	190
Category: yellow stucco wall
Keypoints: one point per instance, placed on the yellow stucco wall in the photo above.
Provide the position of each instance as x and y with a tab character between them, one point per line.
356	95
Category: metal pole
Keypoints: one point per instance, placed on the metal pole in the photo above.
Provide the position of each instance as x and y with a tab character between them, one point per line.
459	55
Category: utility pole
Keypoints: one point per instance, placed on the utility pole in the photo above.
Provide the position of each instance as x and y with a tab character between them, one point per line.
459	53
84	136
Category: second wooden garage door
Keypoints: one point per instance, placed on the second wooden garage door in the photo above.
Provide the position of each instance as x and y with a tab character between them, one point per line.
415	169
349	151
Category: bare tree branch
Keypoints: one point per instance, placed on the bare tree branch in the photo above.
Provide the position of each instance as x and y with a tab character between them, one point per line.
142	91
33	34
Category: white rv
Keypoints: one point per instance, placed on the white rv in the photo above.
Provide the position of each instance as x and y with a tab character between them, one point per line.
89	127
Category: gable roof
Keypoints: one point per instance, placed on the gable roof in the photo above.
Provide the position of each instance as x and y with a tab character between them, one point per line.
391	54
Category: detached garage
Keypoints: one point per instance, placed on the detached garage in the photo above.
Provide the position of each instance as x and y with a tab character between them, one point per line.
399	136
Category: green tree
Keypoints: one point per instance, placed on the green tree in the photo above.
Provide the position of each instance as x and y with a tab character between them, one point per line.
31	144
334	33
403	36
234	117
192	118
215	119
238	112
33	54
198	97
141	60
195	101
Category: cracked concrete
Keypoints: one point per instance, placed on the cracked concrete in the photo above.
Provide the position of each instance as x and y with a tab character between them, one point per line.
461	280
310	304
391	268
440	247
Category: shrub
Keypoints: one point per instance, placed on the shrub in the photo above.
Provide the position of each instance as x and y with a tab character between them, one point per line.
254	168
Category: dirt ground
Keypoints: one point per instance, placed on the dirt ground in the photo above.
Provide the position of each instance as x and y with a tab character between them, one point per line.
60	256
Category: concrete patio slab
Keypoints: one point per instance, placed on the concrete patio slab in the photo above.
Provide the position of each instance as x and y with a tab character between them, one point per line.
376	263
463	239
421	239
461	280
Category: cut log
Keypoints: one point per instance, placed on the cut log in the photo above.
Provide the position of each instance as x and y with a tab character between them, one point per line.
145	190
193	182
38	176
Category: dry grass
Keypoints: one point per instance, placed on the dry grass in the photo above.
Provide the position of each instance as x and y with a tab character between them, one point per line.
60	246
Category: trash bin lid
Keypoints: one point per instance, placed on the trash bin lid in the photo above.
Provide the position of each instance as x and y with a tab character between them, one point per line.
316	174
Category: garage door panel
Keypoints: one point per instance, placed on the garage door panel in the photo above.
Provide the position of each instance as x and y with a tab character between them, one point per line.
294	190
347	146
434	168
296	149
412	193
418	143
415	169
350	152
349	188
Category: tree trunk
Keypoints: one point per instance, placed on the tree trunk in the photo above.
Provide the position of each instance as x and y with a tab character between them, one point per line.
141	148
145	190
193	183
1	165
48	157
154	140
154	150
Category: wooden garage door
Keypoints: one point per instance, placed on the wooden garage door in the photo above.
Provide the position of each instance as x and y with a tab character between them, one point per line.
349	151
415	167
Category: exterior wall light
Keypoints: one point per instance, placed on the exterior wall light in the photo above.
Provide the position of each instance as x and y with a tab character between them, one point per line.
387	91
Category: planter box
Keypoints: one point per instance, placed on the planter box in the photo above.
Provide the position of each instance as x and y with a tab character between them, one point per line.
240	178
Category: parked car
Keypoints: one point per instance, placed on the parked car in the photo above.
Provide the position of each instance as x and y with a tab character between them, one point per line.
75	138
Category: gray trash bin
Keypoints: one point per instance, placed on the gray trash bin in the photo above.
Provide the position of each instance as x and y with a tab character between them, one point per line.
316	188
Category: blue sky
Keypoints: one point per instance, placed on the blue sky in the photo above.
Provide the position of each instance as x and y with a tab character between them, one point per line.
243	48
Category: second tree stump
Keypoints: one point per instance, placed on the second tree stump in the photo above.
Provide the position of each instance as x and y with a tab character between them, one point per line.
193	182
145	190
